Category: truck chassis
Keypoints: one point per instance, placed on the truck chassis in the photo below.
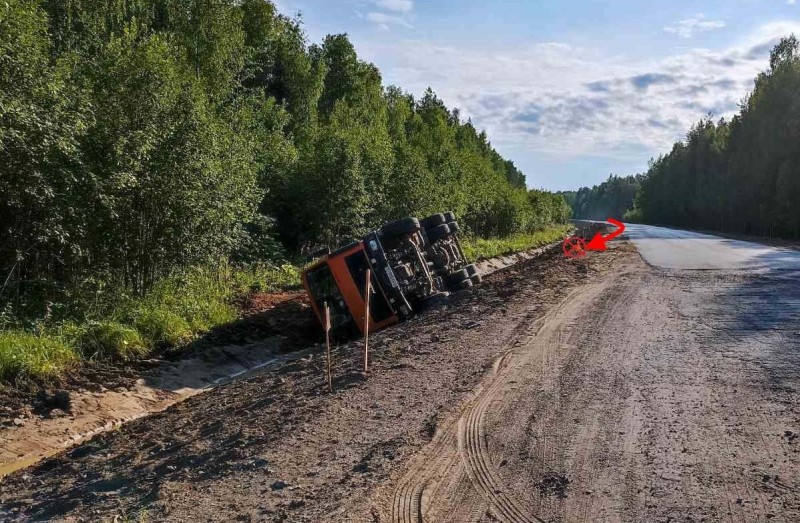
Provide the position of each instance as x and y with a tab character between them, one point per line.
414	264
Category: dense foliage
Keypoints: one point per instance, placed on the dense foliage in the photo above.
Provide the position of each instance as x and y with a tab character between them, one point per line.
610	199
141	138
741	175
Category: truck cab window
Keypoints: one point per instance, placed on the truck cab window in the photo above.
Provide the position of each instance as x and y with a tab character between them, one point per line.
324	289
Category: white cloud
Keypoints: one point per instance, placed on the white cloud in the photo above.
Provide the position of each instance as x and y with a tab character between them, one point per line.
688	27
566	101
401	6
384	21
394	13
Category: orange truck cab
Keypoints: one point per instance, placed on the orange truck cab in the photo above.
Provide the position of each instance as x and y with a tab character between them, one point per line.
413	264
339	280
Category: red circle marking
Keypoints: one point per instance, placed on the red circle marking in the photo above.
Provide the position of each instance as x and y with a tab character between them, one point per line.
574	247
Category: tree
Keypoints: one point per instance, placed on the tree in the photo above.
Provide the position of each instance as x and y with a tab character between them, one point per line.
42	118
610	199
741	175
174	181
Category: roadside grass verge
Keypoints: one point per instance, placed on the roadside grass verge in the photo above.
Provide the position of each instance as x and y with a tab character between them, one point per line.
118	327
25	356
480	248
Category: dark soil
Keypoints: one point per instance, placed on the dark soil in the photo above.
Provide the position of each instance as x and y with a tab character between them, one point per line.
277	446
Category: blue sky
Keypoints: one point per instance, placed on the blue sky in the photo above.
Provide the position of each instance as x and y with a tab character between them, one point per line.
569	90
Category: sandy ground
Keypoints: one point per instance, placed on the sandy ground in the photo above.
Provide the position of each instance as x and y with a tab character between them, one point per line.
599	389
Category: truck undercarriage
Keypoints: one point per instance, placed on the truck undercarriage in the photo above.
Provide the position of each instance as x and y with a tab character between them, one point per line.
413	264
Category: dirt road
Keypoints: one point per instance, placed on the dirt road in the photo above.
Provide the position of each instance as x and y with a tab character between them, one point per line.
647	396
599	389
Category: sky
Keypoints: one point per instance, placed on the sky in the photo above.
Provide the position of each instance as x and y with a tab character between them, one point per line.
570	90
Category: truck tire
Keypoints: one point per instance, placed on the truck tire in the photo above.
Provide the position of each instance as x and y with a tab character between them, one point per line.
400	227
476	279
438	232
464	285
472	270
435	300
454	228
432	221
449	216
456	277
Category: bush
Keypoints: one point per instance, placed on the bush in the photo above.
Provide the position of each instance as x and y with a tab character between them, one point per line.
264	277
160	326
112	340
24	355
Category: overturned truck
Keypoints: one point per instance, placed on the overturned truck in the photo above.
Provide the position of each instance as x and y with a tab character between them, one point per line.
414	264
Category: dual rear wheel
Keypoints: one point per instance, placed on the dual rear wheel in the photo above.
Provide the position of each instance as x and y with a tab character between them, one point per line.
463	279
436	227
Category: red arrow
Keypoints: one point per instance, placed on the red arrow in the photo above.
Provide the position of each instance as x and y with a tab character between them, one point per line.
598	243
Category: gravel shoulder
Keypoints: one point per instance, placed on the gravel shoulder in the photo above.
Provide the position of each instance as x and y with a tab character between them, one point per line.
649	395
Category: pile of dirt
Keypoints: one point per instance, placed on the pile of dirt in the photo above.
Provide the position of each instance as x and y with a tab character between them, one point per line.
284	314
259	302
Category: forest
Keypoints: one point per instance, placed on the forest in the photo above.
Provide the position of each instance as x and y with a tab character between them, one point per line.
152	146
610	199
738	176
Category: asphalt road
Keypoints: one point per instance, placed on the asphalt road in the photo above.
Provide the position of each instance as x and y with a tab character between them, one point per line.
676	249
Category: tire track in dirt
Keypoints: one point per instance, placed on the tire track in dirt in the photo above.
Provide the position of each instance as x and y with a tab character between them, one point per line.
462	448
442	459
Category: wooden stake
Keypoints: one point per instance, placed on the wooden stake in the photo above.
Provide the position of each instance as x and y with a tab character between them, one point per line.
366	320
328	345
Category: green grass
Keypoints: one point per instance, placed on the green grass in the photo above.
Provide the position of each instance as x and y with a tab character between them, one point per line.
116	326
481	248
24	356
162	327
111	340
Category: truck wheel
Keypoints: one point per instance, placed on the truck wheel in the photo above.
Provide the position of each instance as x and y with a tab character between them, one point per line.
454	228
400	227
476	279
432	221
464	285
438	232
456	277
434	300
449	216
